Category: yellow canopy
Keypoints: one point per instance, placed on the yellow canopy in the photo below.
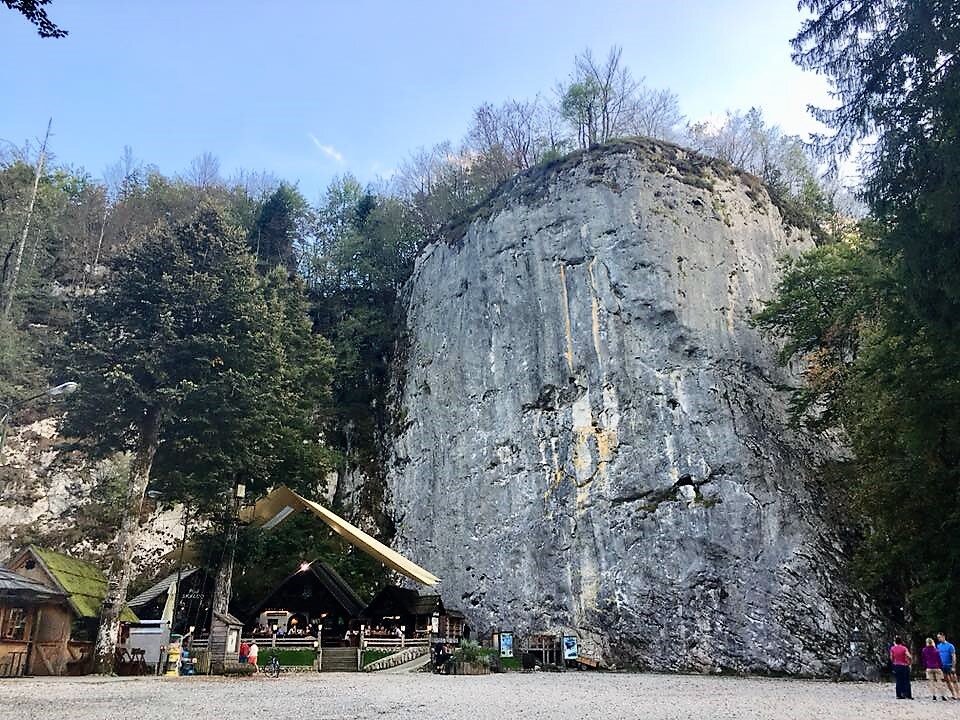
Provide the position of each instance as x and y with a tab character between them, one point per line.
282	502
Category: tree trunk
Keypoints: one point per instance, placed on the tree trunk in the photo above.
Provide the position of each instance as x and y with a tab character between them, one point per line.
11	289
223	587
122	564
96	257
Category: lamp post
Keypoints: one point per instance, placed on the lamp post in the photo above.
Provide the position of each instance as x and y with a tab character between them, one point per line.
9	408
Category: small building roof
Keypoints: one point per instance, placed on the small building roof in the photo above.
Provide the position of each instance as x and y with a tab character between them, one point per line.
83	582
161	588
21	589
227	618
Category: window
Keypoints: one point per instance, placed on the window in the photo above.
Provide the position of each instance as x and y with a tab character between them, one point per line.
14	625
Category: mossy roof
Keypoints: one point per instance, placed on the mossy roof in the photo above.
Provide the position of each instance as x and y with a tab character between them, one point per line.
84	583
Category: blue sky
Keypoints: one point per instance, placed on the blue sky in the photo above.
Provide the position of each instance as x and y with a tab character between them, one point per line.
311	89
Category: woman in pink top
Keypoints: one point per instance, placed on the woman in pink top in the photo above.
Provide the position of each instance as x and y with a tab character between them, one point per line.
901	659
930	657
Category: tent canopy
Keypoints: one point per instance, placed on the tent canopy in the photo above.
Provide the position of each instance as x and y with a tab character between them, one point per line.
282	502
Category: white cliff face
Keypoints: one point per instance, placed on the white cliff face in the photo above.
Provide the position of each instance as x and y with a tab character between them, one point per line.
59	499
593	437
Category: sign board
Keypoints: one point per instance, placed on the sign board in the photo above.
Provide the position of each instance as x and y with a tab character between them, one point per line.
570	649
506	644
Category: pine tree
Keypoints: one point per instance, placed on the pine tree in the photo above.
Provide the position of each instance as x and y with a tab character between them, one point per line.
178	358
877	319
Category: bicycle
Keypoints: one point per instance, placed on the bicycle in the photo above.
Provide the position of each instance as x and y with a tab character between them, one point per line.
272	668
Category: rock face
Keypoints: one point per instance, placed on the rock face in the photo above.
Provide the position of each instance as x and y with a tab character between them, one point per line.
59	499
593	438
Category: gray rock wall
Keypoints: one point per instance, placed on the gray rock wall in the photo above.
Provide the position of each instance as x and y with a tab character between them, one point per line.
592	436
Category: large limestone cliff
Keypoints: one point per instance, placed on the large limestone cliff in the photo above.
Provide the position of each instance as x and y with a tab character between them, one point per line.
592	437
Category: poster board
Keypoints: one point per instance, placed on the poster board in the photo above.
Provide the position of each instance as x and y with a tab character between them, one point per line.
506	644
571	651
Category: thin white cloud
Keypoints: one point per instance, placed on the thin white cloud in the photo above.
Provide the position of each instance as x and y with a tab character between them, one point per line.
329	150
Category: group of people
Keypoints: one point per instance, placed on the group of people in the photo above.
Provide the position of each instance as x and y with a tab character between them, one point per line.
293	631
442	653
939	660
249	653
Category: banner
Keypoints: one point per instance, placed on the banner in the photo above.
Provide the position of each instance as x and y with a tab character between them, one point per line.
570	649
506	644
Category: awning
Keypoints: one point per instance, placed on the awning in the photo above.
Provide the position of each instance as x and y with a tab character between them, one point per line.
282	502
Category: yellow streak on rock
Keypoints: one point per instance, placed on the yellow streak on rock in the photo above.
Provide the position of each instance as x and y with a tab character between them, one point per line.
566	318
595	312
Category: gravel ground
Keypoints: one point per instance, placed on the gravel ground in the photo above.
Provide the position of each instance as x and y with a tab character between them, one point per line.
429	697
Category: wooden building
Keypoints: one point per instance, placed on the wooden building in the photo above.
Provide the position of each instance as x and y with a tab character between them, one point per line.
194	597
26	607
418	615
64	639
313	599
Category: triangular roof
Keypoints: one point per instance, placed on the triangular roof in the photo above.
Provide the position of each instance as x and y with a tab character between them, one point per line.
331	581
159	589
26	590
282	502
406	599
83	582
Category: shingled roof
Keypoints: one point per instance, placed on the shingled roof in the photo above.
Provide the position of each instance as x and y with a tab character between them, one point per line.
19	588
84	583
338	588
159	589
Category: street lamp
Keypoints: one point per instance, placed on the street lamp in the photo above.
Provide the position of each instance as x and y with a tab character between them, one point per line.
9	408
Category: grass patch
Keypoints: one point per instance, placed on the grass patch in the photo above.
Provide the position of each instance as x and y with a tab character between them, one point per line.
510	663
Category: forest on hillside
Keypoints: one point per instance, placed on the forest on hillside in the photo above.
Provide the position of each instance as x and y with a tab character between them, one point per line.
231	329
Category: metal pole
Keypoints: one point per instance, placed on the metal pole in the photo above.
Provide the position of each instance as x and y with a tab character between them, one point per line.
183	545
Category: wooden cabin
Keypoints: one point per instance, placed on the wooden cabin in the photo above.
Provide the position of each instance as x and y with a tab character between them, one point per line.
26	610
418	615
64	639
314	599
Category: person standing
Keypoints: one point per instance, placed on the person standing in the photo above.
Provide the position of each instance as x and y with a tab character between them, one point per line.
948	661
244	652
252	655
930	657
901	659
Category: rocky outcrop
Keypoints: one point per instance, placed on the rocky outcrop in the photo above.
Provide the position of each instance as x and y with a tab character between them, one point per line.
54	496
592	436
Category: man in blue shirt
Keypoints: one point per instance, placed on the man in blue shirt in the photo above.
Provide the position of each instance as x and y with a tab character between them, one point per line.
948	660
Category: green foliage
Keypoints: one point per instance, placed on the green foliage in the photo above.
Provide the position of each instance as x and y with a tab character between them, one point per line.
365	251
471	651
186	326
265	557
281	228
877	322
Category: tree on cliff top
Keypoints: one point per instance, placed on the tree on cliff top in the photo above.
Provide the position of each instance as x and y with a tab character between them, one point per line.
183	351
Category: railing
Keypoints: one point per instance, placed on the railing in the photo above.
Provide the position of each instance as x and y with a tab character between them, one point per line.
386	643
294	643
